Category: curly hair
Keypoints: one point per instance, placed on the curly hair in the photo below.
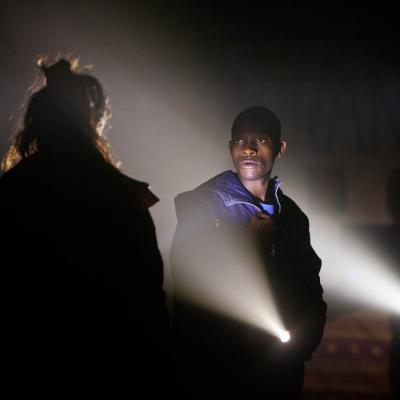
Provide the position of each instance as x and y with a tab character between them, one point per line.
66	115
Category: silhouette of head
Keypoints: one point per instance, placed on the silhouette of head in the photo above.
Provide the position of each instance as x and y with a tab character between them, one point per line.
65	117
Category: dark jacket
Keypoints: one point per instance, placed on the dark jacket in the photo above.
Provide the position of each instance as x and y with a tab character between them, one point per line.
206	214
82	271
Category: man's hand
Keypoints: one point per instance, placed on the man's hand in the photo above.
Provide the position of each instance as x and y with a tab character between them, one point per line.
263	226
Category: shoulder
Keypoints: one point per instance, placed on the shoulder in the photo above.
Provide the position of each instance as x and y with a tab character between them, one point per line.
217	182
21	173
194	203
142	191
204	198
211	185
291	211
139	190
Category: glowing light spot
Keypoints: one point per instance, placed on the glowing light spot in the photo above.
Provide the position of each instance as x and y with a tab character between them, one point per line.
284	337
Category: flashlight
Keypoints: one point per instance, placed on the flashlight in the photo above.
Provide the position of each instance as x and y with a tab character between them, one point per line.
284	336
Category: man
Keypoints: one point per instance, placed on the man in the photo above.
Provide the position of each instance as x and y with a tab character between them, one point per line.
217	354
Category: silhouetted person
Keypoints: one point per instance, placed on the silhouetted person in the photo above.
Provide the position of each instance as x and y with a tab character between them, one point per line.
219	355
393	203
81	269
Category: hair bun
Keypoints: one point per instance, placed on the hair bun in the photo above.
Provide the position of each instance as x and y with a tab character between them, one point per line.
57	73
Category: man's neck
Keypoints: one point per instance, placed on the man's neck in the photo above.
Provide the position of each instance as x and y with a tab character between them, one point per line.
257	188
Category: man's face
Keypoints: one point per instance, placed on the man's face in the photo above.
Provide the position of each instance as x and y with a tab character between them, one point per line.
253	155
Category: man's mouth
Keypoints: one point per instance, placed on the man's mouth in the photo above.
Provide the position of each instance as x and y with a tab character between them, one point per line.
249	163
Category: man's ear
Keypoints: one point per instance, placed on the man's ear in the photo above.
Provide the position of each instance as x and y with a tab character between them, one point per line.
282	149
230	146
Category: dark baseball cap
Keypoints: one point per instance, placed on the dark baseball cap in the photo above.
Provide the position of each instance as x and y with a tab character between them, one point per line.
258	119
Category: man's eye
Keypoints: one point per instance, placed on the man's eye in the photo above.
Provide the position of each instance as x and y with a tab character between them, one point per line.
261	140
237	141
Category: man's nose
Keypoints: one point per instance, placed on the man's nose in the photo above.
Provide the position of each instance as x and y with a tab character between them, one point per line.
249	148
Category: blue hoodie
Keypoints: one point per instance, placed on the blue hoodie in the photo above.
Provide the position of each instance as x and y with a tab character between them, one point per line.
223	202
229	200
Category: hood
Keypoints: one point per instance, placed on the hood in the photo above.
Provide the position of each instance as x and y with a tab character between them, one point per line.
228	186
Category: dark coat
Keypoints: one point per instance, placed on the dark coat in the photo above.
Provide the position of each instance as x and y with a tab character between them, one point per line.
225	349
83	274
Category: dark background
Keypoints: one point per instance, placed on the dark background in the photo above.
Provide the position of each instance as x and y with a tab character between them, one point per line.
178	73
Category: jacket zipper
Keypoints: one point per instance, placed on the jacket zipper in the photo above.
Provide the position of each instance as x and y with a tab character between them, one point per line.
243	202
273	245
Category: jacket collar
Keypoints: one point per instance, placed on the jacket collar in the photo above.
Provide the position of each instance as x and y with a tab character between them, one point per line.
228	186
